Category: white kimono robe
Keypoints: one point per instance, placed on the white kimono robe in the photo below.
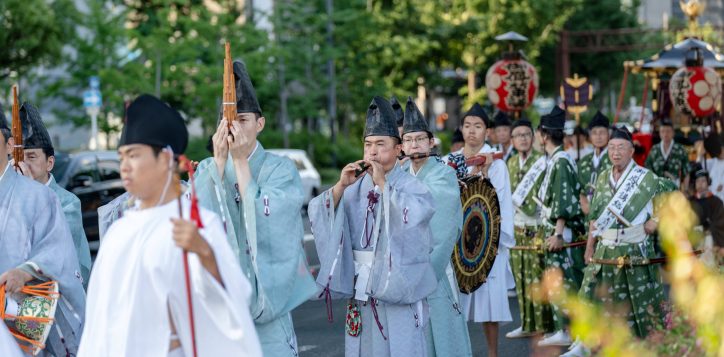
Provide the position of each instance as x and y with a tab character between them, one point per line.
138	280
490	302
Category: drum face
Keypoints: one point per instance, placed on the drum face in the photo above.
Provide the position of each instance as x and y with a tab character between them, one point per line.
477	246
37	303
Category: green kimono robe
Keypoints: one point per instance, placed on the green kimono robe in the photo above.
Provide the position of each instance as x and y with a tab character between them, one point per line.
447	332
71	210
639	288
559	194
528	265
264	227
675	164
589	168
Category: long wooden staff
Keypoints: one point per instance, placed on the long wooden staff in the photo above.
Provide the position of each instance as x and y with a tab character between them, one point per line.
229	94
196	218
18	154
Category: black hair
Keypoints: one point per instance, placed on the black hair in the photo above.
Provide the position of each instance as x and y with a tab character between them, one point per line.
48	151
555	135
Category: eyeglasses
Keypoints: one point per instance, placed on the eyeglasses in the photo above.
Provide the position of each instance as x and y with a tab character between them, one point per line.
522	136
417	141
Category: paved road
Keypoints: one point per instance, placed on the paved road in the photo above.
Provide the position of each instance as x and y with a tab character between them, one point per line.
317	337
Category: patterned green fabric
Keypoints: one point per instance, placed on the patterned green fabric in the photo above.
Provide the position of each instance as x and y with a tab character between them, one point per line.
586	171
562	196
676	165
516	175
638	288
528	267
647	189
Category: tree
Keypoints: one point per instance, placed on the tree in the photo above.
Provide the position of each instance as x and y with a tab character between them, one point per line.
33	33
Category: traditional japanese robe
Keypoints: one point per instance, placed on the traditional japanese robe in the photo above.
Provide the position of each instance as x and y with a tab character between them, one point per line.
447	333
589	168
8	346
709	210
490	302
264	228
375	247
674	163
715	166
559	196
35	238
71	209
112	211
138	284
639	287
528	265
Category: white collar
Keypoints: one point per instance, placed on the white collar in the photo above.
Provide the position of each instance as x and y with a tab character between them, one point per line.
50	178
521	161
666	153
625	173
597	158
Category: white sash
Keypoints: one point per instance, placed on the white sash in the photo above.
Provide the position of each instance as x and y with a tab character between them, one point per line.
528	181
620	200
546	181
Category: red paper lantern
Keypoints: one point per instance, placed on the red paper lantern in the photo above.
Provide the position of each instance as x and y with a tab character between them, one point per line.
695	91
511	84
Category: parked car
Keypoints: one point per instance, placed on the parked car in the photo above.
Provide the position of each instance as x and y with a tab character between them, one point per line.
93	176
311	181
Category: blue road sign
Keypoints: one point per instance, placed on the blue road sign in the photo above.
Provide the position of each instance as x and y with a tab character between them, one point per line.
92	98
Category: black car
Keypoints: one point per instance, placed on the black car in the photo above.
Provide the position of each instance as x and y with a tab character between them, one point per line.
93	176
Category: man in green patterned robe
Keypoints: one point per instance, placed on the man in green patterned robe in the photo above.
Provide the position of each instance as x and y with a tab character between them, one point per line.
669	159
591	165
622	221
527	168
561	216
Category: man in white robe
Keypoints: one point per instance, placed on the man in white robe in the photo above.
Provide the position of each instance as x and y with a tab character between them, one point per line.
137	291
489	304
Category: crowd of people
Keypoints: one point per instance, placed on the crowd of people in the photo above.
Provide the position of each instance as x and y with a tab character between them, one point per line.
214	266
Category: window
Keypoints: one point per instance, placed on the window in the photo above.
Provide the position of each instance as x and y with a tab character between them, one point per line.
109	170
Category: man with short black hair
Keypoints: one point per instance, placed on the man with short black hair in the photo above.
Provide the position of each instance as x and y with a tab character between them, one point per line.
38	163
501	126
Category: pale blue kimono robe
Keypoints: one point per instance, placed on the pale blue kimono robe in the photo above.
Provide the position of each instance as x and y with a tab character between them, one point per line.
401	276
265	229
35	238
447	334
71	209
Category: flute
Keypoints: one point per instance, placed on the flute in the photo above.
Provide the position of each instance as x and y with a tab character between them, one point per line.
418	155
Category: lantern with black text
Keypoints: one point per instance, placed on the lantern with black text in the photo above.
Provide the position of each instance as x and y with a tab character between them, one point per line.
695	90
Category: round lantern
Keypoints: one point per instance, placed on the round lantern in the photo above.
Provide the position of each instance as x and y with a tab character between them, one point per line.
512	84
695	90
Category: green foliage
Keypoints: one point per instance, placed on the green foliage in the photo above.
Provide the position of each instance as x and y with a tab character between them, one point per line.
33	33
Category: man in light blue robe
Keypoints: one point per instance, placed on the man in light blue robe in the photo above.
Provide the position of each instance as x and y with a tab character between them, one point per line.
35	245
40	159
259	197
373	238
447	334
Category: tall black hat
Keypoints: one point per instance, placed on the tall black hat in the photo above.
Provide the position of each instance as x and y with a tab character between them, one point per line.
153	122
501	119
35	136
246	101
381	119
555	120
599	120
522	122
621	133
666	122
477	111
414	120
397	108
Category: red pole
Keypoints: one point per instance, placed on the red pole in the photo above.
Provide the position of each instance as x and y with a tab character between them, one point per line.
620	96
